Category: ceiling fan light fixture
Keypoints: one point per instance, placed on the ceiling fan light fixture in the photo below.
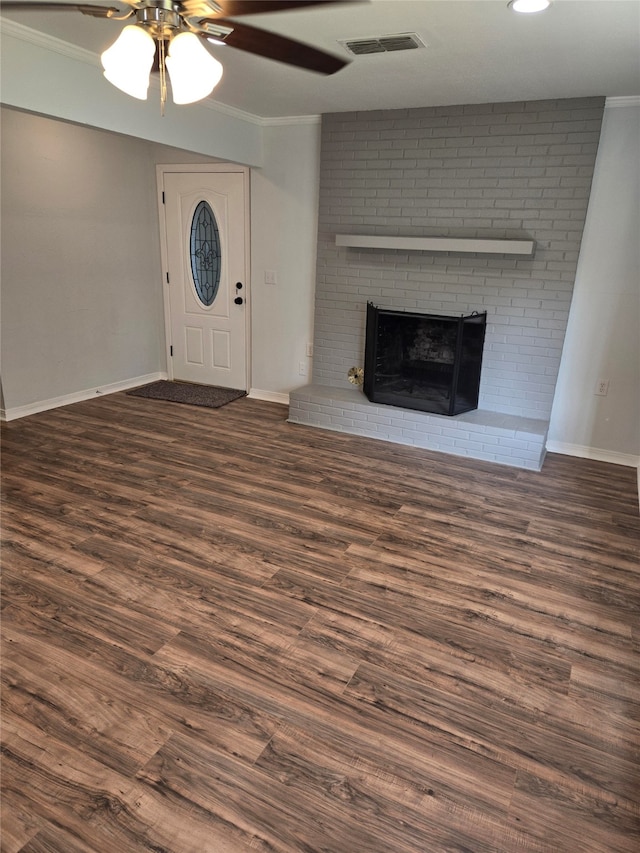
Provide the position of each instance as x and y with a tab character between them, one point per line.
193	71
127	63
528	7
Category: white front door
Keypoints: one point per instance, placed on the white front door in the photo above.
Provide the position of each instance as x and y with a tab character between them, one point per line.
205	234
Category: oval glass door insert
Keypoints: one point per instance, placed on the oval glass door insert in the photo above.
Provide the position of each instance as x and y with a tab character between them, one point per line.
205	253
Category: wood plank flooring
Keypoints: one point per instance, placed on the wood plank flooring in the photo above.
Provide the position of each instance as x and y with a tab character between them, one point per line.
223	633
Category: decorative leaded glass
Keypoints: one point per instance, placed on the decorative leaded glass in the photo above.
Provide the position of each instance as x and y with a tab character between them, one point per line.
205	253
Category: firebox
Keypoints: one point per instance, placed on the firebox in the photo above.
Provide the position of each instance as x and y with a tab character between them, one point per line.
429	362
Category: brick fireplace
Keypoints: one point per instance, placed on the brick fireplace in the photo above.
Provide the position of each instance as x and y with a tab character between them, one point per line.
494	172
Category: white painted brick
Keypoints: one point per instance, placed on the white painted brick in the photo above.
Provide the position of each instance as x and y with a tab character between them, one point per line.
486	455
379	419
467	447
531	455
457	153
444	442
343	422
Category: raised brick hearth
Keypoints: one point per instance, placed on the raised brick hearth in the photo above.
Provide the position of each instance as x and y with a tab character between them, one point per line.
508	439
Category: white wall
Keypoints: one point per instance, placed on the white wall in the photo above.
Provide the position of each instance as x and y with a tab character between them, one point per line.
71	87
603	334
81	300
51	77
284	210
81	279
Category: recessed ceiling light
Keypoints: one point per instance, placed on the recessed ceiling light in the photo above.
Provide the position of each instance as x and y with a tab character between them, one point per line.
529	6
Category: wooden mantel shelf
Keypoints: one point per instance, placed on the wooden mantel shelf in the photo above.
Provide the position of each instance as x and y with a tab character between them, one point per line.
437	244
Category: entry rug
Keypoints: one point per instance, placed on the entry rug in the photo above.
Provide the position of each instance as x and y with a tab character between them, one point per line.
209	396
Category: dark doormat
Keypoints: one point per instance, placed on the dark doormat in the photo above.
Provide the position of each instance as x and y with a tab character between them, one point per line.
209	396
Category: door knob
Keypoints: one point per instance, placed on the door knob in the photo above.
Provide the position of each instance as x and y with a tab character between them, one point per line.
238	300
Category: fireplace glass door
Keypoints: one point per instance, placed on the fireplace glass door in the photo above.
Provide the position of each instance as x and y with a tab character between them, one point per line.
428	362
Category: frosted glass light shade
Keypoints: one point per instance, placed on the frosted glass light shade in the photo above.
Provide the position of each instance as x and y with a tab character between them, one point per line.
529	6
127	63
192	70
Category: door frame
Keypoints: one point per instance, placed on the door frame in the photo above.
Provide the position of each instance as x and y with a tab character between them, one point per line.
161	171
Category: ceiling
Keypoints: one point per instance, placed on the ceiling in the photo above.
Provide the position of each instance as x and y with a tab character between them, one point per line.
477	51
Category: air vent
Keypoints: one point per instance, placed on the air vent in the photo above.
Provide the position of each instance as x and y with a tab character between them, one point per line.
383	44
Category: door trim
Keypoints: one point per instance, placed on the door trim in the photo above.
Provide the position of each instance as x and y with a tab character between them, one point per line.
161	171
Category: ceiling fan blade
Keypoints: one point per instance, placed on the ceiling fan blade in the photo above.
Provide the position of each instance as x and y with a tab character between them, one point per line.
280	48
236	8
86	9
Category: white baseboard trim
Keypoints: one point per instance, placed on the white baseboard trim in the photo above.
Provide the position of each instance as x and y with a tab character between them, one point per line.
268	396
596	453
78	396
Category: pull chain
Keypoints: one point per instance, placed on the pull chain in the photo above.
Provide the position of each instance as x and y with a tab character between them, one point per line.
163	76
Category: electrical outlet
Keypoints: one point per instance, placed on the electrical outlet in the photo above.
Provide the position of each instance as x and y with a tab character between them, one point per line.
602	387
270	277
309	350
302	368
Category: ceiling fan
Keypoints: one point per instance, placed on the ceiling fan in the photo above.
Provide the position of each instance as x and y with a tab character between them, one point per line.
167	34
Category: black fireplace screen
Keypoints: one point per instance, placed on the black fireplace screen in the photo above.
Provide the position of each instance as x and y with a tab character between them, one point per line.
428	362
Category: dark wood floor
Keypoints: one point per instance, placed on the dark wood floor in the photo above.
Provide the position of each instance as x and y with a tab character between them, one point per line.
224	633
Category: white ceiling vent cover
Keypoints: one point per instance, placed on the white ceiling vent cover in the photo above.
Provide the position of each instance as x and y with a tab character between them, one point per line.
383	44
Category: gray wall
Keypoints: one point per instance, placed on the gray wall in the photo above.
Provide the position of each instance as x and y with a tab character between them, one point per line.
284	207
81	279
519	170
55	78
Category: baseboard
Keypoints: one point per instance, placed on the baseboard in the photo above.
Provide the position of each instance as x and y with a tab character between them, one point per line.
12	414
269	396
627	459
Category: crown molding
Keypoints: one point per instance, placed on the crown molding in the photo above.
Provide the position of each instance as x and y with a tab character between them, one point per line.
623	101
275	121
47	42
80	54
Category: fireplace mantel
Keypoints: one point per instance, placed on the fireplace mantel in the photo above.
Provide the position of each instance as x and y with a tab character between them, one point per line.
438	244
